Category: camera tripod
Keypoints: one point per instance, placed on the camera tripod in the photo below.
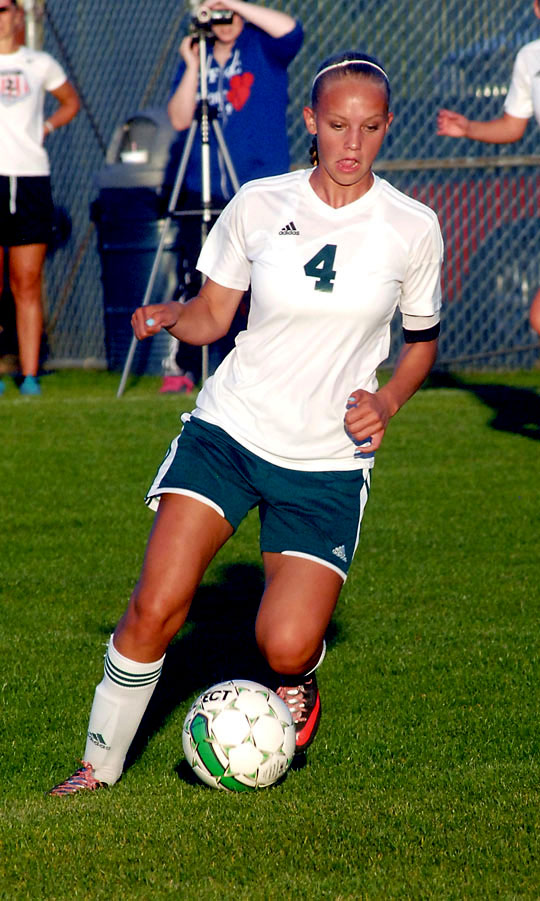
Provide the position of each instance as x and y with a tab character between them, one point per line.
205	116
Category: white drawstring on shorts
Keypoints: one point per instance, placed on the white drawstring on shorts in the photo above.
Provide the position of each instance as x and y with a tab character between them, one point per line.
12	194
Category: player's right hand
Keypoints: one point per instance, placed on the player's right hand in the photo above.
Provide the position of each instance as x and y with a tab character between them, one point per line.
149	320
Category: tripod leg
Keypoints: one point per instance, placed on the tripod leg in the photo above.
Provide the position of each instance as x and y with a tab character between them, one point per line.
206	192
206	207
159	252
226	155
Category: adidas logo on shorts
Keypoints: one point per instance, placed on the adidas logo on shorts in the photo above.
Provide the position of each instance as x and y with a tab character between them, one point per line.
340	552
289	229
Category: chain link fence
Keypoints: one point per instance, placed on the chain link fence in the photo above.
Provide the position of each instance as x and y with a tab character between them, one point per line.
122	55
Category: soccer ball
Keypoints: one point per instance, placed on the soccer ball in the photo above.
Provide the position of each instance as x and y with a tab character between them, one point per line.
239	736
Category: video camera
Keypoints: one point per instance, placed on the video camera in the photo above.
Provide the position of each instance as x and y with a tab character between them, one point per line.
204	18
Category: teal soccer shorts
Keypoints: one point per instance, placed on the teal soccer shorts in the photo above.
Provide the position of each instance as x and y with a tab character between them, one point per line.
316	515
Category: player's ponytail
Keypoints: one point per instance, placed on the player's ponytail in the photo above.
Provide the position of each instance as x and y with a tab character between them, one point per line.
313	152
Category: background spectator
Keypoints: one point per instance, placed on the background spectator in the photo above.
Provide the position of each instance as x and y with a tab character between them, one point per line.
248	86
522	102
26	207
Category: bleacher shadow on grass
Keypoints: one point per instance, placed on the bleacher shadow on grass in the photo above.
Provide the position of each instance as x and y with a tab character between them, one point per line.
216	644
516	410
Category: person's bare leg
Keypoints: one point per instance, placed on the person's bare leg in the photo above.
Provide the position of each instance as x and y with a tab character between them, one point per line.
25	273
298	602
185	536
297	605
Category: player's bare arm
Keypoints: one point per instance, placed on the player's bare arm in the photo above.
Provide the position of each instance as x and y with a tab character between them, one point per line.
504	130
534	313
370	414
202	320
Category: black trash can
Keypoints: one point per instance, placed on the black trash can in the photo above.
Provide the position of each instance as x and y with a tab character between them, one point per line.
130	215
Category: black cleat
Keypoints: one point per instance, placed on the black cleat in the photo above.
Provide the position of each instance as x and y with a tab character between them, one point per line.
304	702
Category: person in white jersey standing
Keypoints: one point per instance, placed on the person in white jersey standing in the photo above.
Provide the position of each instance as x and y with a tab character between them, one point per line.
26	207
293	417
521	103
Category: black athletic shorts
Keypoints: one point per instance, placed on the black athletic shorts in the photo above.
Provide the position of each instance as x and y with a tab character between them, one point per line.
26	210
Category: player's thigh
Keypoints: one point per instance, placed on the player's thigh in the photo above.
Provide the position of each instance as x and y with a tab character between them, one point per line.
25	266
185	536
299	599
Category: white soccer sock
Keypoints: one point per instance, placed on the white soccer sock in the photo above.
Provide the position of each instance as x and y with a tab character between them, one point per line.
319	661
289	679
119	705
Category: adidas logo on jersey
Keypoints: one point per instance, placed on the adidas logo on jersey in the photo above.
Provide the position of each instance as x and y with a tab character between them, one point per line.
289	229
340	552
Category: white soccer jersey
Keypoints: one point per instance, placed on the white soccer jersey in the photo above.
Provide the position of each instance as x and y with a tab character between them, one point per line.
523	98
24	77
325	284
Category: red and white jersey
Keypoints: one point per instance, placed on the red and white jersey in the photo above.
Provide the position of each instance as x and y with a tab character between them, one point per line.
523	98
325	284
24	77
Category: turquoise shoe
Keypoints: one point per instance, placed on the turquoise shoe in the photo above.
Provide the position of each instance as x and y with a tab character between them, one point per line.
2	387
30	386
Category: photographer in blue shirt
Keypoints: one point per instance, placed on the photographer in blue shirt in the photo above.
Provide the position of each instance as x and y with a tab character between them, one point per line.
247	85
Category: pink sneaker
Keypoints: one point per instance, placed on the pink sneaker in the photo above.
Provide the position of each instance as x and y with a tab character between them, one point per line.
82	780
177	384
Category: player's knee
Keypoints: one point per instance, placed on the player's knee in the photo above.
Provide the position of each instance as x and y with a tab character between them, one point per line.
285	650
155	616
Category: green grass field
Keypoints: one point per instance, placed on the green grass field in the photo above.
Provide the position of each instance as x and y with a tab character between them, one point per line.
424	781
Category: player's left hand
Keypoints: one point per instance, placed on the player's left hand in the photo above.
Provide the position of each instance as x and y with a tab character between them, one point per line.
366	419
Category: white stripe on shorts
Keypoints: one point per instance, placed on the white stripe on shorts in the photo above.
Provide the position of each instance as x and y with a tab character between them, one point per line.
152	500
164	468
316	560
364	494
154	492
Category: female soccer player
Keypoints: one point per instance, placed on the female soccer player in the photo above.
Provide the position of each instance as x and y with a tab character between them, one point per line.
293	417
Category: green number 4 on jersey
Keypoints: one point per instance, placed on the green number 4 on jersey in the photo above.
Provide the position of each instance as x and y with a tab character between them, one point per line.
320	268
